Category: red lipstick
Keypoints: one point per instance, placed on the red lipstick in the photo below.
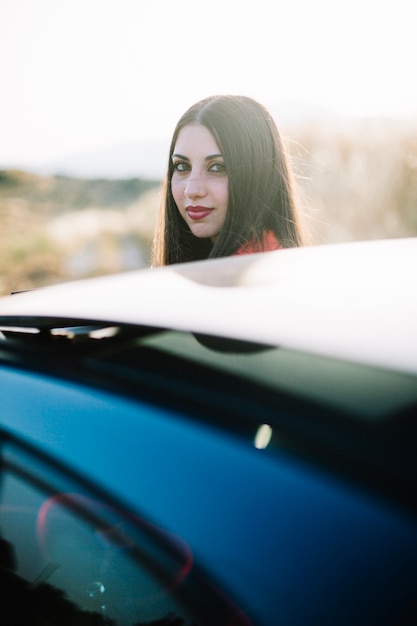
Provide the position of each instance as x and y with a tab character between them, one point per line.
198	212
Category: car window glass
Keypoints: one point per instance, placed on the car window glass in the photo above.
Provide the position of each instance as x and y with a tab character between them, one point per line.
69	555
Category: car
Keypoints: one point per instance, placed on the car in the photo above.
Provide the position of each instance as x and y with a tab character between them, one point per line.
224	442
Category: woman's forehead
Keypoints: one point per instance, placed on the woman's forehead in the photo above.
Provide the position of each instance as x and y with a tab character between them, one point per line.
194	139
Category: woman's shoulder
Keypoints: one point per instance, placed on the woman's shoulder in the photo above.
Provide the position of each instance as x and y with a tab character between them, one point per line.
268	242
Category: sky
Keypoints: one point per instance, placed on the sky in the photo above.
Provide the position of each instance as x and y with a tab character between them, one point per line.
84	75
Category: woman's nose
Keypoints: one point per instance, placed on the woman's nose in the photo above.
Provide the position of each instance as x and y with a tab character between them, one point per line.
195	187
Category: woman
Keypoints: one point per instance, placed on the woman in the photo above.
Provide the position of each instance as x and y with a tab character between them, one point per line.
229	188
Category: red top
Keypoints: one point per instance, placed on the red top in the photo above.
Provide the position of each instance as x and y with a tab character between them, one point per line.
270	242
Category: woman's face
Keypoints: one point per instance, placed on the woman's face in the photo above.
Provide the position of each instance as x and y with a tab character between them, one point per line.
200	185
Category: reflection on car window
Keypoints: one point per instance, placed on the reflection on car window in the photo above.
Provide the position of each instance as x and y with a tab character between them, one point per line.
357	389
69	556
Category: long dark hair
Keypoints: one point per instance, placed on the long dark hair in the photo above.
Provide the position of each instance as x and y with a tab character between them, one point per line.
261	184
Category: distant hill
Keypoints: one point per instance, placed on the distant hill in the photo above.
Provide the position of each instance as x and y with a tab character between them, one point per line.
54	194
146	160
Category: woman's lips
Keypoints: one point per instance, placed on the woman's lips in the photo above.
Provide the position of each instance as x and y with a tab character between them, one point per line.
198	212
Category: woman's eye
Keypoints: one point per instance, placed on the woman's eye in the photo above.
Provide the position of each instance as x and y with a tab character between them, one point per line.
181	166
217	168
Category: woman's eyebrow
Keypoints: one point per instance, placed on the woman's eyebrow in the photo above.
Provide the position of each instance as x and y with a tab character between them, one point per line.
180	156
213	156
207	158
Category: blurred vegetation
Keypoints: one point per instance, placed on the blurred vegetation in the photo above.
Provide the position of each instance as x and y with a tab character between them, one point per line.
56	228
358	181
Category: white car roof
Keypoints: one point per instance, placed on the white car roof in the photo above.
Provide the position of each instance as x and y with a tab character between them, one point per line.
354	301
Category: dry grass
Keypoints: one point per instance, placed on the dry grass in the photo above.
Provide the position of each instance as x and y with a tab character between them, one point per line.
359	182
